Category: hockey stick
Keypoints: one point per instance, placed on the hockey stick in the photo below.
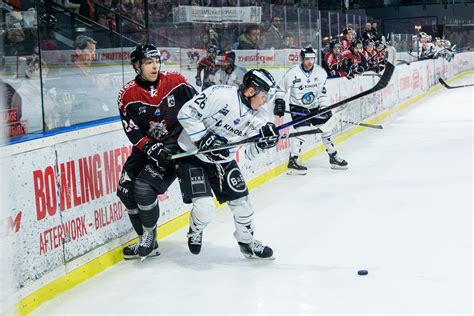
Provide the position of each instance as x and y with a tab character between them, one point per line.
447	86
383	82
349	122
254	139
403	62
372	75
364	124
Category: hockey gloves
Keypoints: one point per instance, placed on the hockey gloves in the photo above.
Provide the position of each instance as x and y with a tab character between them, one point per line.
268	130
279	109
210	141
159	155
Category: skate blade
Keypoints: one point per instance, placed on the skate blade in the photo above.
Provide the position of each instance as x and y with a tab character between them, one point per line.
258	258
154	253
337	167
293	172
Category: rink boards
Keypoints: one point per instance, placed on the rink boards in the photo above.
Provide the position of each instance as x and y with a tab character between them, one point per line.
66	223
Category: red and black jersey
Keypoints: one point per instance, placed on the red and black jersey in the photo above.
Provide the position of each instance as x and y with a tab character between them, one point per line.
333	64
148	109
208	66
368	58
345	44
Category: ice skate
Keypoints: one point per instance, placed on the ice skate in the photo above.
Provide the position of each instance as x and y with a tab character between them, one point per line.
148	246
194	241
256	250
337	162
294	168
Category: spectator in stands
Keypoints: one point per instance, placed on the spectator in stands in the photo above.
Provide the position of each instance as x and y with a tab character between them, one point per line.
19	39
82	88
250	39
375	31
368	33
289	41
274	38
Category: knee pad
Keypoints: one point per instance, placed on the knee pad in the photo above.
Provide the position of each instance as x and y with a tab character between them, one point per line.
202	213
147	201
145	195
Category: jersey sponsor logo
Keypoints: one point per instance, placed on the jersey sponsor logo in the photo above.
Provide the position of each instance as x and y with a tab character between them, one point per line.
171	101
233	130
236	181
152	172
124	177
296	80
308	98
157	113
198	183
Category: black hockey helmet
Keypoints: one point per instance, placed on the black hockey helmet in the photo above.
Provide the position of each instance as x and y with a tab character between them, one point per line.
260	79
226	58
307	52
356	44
143	51
212	49
367	42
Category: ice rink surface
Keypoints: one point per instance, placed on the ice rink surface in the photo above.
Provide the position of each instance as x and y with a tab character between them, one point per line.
402	211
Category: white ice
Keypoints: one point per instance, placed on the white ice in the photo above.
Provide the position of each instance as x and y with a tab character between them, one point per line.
403	211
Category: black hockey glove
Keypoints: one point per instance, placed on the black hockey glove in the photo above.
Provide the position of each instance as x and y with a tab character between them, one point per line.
279	109
210	141
157	153
268	130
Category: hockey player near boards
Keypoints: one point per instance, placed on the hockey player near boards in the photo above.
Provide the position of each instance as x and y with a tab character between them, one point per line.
229	73
216	116
148	106
306	86
207	66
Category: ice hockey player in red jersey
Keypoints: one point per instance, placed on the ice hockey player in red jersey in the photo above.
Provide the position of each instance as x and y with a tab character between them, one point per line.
148	106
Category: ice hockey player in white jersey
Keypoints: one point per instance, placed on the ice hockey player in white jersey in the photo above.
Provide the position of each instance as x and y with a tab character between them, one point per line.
229	73
305	84
216	116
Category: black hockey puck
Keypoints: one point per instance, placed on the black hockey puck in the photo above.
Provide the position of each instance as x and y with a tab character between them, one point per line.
362	272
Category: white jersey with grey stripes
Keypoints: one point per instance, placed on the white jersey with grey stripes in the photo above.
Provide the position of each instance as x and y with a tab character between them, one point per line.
306	89
218	109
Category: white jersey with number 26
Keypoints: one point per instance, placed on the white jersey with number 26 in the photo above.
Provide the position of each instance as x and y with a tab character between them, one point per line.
218	109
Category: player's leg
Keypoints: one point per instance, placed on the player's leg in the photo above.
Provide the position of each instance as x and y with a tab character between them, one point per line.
231	188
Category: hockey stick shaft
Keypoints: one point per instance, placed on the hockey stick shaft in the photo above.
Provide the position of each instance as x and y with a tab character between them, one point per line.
447	86
382	83
246	141
349	122
364	124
